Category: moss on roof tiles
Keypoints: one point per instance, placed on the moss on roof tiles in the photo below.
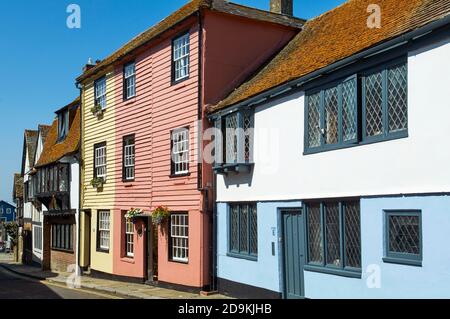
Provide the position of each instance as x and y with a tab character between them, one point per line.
335	35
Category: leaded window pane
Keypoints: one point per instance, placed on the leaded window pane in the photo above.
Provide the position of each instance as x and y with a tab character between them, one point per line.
352	235
349	111
332	230
314	120
315	247
243	228
247	137
404	234
374	104
231	126
397	98
331	115
234	228
253	230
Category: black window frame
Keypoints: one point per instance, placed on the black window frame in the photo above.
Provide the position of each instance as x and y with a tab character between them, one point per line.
97	146
98	246
126	139
173	174
125	81
172	58
96	102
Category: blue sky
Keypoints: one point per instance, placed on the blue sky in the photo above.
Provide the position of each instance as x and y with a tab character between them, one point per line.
40	57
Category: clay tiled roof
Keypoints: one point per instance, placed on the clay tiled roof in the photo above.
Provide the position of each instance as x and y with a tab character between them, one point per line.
31	145
18	186
54	151
184	12
336	35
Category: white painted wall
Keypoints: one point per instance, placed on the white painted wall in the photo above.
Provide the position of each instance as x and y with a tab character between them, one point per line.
417	164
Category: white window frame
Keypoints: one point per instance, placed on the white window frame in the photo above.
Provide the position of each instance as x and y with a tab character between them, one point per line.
129	155
180	151
100	92
37	232
129	238
100	161
104	224
8	211
181	52
129	74
179	237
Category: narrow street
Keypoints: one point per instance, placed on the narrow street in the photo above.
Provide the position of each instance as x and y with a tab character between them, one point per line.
13	286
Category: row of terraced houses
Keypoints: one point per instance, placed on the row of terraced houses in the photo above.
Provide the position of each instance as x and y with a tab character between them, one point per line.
289	158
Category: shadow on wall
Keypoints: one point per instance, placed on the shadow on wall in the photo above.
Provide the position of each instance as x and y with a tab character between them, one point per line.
238	179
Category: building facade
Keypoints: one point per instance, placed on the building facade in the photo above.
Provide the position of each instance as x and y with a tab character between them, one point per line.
340	189
153	102
7	212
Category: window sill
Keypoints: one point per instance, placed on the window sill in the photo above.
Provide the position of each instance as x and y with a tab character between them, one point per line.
328	148
402	261
333	271
128	260
235	167
103	251
176	82
130	100
179	262
239	256
179	175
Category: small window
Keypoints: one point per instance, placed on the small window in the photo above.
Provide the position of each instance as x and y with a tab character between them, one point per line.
334	236
180	60
180	152
8	211
100	160
62	237
129	76
128	158
100	92
403	237
179	237
63	124
243	231
103	230
129	238
237	138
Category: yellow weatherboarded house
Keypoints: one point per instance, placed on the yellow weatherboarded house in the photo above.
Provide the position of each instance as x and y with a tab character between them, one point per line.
98	172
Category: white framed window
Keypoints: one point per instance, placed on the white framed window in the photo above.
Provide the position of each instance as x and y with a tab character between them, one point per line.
103	230
129	75
37	238
100	92
179	237
128	158
180	151
100	160
8	211
180	63
129	238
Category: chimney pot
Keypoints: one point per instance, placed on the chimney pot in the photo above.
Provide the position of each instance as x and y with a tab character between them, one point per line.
282	7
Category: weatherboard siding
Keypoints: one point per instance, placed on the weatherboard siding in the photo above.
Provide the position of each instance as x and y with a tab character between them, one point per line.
99	130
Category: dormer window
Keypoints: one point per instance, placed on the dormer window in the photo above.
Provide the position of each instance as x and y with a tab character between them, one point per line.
63	124
234	142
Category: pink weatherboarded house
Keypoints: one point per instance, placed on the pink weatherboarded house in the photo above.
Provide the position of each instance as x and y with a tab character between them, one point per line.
164	79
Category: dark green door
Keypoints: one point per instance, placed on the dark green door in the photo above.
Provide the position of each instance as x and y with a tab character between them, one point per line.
293	253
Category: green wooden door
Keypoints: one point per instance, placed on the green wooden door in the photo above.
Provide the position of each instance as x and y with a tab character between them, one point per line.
293	253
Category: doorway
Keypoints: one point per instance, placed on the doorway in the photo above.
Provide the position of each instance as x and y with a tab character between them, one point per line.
151	250
293	249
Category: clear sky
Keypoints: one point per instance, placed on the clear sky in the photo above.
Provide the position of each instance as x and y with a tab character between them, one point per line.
40	57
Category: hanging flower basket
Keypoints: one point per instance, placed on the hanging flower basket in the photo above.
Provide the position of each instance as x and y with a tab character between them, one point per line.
97	182
160	215
97	110
133	213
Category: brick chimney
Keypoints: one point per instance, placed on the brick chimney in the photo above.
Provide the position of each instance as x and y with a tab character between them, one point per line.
282	7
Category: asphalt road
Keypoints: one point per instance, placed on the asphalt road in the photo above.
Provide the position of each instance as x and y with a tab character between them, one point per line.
13	286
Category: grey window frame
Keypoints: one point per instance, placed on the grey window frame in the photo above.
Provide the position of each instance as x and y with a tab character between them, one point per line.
361	139
323	267
237	253
396	257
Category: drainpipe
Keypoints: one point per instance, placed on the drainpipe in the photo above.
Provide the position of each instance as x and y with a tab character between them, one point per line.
78	220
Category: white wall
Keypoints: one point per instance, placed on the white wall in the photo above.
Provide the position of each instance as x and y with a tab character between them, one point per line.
417	164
